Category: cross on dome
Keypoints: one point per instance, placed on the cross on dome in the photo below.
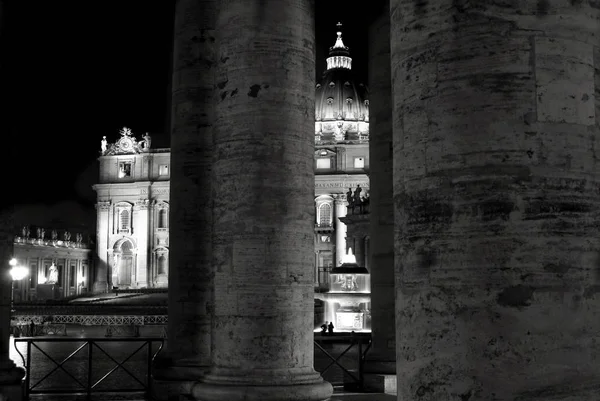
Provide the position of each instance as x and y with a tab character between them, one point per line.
338	43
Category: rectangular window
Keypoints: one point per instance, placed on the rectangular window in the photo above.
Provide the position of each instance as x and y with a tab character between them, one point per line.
72	276
323	163
359	162
163	169
33	271
124	169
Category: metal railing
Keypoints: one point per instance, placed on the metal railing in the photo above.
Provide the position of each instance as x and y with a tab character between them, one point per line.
89	385
95	320
357	377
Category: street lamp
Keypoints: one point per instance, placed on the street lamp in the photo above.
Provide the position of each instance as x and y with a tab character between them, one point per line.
17	273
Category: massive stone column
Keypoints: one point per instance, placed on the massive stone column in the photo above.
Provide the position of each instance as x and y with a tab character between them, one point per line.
262	341
341	210
10	375
381	358
190	230
496	177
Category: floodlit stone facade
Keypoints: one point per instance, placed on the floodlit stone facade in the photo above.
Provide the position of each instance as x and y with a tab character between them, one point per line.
71	254
133	192
132	214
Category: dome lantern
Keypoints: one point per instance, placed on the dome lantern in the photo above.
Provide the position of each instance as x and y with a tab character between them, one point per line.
339	55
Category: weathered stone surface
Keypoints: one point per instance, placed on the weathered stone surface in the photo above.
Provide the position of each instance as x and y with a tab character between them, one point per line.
192	119
263	205
496	181
382	355
10	375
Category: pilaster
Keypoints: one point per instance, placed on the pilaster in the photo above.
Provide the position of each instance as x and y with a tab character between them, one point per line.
102	235
340	228
140	231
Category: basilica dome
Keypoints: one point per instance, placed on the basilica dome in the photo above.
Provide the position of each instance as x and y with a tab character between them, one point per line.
341	105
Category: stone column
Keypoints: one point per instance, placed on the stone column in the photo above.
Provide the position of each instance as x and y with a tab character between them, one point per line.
102	235
381	358
496	177
190	230
10	375
341	210
262	342
140	230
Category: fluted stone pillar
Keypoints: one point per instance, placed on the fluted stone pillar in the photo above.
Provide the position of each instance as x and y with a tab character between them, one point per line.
496	177
381	358
262	342
190	229
10	375
341	230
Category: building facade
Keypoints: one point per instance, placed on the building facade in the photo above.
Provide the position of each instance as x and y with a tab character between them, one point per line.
132	214
133	193
44	251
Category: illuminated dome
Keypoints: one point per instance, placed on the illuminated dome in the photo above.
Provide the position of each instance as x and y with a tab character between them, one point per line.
341	106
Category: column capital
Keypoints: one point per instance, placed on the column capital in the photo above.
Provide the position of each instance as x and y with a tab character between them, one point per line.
103	205
339	199
142	204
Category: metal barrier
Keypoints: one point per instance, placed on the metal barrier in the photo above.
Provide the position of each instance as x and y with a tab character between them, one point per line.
355	341
90	386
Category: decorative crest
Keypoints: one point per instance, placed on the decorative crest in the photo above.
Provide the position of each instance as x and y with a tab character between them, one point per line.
127	144
125	131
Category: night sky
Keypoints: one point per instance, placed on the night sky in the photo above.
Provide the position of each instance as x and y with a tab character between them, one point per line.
73	71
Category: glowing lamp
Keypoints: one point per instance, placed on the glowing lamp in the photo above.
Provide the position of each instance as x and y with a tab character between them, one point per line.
18	272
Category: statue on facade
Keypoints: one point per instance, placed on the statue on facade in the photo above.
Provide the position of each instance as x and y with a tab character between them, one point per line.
79	238
54	235
146	141
40	233
357	192
103	144
52	275
26	232
349	198
67	236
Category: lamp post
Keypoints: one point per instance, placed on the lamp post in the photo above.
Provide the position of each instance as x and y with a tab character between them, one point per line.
17	273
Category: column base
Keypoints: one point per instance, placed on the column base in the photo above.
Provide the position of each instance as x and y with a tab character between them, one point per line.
270	387
11	382
173	382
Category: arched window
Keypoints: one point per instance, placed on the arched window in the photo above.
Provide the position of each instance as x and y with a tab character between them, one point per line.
162	264
163	218
124	223
325	214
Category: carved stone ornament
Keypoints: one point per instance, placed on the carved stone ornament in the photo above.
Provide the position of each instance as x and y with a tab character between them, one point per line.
127	144
103	205
142	204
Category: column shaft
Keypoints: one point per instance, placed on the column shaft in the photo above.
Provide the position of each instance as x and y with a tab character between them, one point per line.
263	244
496	176
190	230
382	356
10	375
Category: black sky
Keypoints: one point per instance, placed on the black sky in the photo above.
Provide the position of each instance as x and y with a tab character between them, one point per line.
73	71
